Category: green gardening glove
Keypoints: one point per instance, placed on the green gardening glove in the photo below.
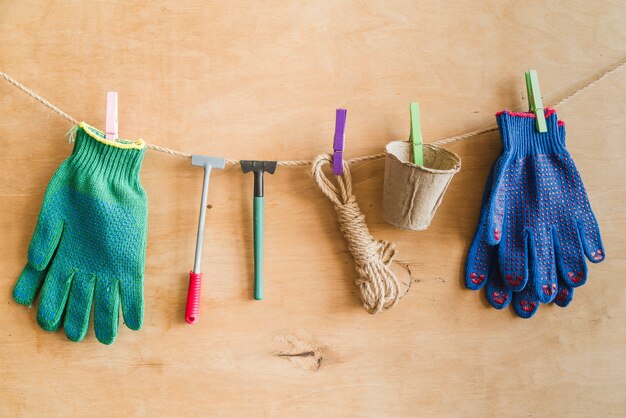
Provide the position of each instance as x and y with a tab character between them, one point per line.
89	245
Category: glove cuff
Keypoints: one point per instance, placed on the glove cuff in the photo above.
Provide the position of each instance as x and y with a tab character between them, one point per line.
116	161
520	136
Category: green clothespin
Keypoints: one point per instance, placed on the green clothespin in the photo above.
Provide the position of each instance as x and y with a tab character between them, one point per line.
416	134
534	100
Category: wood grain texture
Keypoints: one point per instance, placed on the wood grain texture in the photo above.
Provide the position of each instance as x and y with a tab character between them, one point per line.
262	80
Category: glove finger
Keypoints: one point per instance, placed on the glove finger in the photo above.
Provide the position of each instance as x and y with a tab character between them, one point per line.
480	254
543	274
53	298
499	294
588	229
569	257
589	233
132	303
565	294
106	310
525	302
79	306
513	258
28	284
497	205
478	264
46	236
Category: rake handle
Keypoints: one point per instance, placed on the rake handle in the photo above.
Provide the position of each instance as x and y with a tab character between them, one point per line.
193	297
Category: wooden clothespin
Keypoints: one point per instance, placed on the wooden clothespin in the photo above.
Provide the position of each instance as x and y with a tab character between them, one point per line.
416	134
339	141
111	118
534	100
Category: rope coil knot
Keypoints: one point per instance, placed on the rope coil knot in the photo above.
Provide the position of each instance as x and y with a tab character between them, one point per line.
378	284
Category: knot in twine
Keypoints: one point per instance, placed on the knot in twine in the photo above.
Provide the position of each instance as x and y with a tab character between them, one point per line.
379	286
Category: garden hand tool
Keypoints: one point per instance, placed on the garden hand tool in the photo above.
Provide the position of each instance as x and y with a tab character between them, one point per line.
195	276
258	168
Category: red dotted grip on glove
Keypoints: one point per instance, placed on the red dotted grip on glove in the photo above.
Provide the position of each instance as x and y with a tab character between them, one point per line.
193	297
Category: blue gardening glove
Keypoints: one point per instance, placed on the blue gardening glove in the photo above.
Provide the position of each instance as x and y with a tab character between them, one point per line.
539	213
90	240
482	270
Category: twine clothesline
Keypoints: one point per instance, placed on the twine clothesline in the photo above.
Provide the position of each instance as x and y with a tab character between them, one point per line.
378	285
293	163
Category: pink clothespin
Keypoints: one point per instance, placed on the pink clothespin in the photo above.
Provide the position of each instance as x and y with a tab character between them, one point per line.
111	119
340	140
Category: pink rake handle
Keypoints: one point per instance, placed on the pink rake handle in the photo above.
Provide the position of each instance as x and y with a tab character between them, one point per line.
193	297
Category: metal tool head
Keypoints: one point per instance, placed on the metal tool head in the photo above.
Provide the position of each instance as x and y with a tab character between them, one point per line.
257	166
204	161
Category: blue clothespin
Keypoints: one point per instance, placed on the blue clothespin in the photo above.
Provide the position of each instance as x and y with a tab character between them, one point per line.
339	142
534	100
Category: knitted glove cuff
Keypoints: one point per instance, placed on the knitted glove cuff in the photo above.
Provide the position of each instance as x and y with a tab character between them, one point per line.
114	161
520	136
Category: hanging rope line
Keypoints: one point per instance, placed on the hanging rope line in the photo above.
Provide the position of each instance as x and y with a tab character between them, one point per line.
378	285
293	163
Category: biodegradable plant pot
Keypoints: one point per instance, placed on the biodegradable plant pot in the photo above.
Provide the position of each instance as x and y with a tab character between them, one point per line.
412	193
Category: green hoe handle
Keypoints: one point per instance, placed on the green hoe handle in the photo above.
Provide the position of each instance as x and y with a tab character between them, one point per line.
258	248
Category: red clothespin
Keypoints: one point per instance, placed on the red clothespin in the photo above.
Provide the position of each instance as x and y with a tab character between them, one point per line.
111	118
339	142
